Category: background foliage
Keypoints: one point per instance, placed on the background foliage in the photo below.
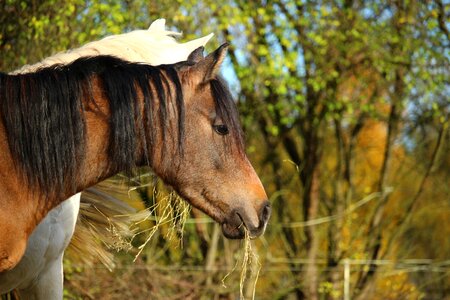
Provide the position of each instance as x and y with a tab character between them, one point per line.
345	105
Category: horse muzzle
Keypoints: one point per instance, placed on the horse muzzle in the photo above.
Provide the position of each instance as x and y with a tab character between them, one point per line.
240	220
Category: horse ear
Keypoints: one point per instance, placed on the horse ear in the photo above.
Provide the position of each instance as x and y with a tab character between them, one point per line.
196	55
210	65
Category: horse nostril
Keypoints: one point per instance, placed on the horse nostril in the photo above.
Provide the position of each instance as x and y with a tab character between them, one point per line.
265	213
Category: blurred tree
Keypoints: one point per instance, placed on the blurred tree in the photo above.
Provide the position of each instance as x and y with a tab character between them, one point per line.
307	67
346	107
32	30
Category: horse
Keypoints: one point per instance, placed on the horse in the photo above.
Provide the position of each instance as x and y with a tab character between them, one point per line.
67	127
40	274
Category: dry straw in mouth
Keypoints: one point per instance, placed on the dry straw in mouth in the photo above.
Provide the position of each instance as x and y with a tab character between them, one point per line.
250	267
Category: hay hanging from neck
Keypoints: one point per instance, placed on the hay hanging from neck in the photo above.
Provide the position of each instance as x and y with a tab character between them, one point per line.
168	209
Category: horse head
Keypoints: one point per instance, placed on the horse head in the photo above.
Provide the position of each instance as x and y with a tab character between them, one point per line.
211	169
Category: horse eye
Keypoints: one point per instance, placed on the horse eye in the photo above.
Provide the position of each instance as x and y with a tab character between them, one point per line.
221	129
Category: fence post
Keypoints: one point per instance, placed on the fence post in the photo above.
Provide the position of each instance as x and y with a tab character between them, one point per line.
346	279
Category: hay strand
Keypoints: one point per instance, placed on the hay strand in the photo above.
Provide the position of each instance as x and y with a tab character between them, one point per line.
250	265
168	209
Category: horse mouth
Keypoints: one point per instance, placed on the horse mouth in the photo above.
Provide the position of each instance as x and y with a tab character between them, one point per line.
235	223
233	231
235	228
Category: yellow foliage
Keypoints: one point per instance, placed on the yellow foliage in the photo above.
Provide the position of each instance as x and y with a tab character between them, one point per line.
393	285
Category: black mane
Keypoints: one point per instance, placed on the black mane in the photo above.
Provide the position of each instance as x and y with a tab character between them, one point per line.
43	115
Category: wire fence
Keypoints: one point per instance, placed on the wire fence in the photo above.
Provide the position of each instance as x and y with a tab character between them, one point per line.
423	268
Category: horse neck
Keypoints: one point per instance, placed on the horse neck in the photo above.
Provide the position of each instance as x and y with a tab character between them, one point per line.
150	151
97	164
93	164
